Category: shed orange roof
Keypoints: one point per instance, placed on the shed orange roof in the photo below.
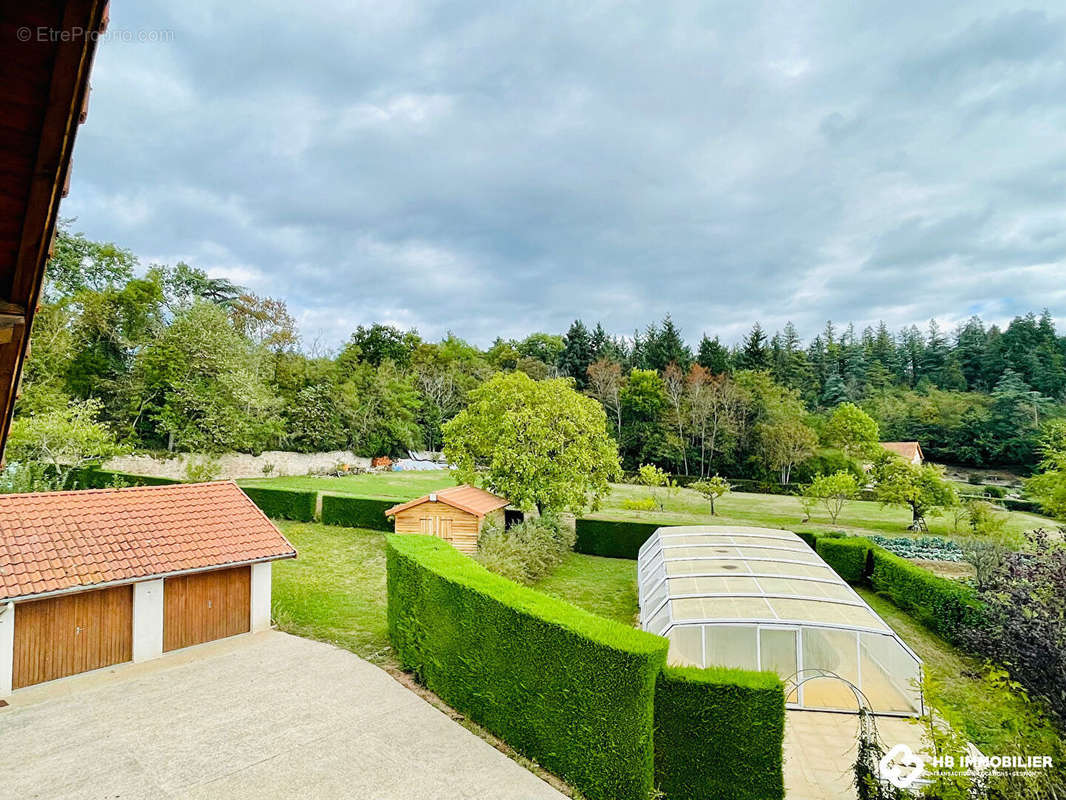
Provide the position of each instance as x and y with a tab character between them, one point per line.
55	541
466	498
908	450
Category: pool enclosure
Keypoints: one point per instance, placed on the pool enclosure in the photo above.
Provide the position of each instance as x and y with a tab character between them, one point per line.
759	598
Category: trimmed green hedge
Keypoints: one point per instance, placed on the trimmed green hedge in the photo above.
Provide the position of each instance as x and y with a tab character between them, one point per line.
94	478
718	733
944	606
283	503
611	538
848	556
357	512
812	537
565	687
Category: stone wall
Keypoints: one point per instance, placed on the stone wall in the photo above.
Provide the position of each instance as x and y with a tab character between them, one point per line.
240	465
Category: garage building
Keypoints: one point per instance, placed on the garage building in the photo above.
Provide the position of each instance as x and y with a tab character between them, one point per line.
89	579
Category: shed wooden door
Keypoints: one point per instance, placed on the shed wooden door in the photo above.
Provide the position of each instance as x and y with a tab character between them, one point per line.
206	606
74	633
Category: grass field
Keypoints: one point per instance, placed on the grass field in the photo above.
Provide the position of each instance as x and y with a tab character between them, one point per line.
604	586
682	506
334	590
387	485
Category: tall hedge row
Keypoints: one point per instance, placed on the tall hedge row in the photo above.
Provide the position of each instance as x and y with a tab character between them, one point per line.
561	685
942	605
95	478
718	733
283	503
356	512
602	537
847	556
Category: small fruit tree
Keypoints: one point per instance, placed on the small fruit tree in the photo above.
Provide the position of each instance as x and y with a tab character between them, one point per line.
832	492
712	489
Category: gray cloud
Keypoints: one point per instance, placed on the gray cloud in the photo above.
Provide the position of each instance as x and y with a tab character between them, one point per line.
494	172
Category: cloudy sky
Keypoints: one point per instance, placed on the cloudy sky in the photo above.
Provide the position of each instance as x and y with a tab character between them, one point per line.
495	169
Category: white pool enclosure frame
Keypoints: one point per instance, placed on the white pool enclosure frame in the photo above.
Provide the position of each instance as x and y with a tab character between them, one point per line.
761	598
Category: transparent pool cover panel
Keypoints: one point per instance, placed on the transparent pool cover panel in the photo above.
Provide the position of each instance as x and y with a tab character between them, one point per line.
755	598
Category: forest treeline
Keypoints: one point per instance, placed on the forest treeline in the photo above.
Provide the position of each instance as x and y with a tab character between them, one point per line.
170	359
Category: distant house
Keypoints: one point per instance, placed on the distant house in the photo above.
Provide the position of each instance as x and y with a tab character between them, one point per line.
908	451
93	578
457	515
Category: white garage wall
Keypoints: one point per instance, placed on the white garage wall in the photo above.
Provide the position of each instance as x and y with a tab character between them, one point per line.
260	610
147	619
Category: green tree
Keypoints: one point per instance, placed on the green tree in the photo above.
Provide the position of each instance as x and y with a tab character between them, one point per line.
713	355
538	443
659	484
852	430
921	488
379	406
377	344
314	420
832	491
200	386
754	354
577	354
64	438
1048	487
712	489
644	404
785	443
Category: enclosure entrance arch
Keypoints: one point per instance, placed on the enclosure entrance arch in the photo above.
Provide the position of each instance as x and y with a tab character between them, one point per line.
760	598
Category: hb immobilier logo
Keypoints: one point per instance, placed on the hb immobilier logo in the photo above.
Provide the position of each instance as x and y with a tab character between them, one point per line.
901	767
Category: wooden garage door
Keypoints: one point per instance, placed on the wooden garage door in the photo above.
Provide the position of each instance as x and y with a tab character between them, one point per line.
206	606
73	633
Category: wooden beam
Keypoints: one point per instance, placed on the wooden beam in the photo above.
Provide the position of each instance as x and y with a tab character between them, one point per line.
68	86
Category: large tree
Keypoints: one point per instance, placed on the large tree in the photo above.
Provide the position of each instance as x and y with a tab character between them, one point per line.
922	488
63	438
539	443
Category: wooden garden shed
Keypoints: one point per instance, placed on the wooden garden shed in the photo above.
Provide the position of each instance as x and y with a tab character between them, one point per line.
457	515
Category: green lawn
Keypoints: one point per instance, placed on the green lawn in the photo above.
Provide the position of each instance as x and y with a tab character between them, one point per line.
861	517
334	590
683	506
604	586
387	485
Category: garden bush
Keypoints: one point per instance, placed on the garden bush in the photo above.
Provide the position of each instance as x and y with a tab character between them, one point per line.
283	503
526	551
563	686
718	733
848	556
357	512
812	537
614	539
944	606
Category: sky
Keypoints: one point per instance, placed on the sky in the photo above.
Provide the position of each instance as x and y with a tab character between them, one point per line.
497	169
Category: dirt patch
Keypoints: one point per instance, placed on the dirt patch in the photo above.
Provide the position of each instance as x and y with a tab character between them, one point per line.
956	570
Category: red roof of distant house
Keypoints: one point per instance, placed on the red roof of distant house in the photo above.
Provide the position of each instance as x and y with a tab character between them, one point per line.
907	450
52	541
466	498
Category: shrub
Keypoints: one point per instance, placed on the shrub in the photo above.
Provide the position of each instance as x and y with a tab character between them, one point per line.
601	537
942	605
812	537
718	733
202	469
526	551
847	556
283	503
357	512
641	504
572	690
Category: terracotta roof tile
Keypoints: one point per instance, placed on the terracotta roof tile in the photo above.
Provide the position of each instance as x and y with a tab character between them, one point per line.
466	498
51	541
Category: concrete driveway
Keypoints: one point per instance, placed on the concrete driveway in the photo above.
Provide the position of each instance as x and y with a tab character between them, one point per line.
262	716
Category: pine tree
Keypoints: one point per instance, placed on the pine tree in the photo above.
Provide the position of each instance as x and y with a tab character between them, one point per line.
971	343
577	353
713	356
754	354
